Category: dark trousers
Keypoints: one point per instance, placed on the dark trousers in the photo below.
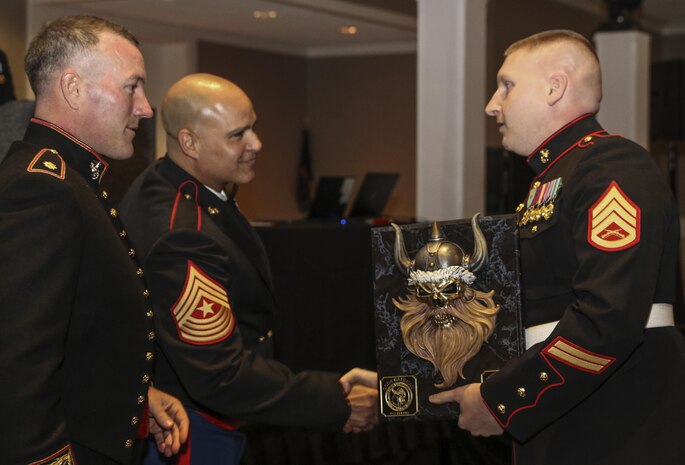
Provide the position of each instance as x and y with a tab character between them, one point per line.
208	444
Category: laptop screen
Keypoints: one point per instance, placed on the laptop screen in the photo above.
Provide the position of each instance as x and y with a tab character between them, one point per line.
373	195
331	197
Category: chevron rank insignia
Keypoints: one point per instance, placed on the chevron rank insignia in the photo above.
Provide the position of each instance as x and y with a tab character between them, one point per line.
577	357
48	161
613	221
202	312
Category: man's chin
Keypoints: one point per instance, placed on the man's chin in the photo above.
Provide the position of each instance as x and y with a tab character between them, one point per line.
511	148
120	154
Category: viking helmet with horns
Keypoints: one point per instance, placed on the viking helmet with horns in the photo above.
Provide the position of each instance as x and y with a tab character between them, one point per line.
441	271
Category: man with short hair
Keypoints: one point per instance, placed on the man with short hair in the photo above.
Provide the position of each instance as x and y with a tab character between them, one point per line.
602	380
212	288
77	336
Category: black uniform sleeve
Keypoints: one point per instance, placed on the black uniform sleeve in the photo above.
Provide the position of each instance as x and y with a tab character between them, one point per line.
40	235
614	290
190	280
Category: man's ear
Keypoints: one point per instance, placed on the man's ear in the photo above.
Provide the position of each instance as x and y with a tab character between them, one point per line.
558	84
189	143
71	86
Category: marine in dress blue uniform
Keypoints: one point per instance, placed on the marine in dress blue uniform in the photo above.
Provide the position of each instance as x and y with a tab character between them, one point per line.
599	235
214	307
601	380
77	333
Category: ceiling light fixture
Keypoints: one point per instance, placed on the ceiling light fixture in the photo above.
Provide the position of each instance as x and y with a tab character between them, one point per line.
265	14
348	30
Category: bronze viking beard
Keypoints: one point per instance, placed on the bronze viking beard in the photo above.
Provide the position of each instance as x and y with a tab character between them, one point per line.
448	337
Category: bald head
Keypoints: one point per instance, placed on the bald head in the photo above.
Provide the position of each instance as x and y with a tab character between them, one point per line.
197	97
209	123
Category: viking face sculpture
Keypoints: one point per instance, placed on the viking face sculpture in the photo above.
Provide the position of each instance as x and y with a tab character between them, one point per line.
445	321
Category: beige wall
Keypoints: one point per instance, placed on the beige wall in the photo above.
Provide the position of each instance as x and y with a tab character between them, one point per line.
671	47
13	43
277	85
361	112
363	119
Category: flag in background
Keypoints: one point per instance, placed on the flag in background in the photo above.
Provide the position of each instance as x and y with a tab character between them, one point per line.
303	190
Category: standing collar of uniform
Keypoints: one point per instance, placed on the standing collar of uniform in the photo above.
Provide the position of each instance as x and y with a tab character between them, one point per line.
182	180
76	154
559	143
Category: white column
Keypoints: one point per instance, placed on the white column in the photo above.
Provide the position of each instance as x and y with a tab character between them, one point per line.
165	64
450	160
626	69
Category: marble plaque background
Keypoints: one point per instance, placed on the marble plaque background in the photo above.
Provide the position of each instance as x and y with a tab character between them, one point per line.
501	273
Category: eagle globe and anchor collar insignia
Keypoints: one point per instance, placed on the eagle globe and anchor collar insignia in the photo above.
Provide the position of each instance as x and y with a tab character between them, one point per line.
540	202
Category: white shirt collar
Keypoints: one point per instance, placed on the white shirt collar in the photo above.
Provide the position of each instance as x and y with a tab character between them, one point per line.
222	195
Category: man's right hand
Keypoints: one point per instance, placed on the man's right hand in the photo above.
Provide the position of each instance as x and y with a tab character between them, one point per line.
361	388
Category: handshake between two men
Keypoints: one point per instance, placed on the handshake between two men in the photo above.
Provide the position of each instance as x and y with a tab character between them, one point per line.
361	390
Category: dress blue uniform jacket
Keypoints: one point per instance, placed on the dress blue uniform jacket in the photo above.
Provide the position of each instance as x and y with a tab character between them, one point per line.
76	330
214	307
599	241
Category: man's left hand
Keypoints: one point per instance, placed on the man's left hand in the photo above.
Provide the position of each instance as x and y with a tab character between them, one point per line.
168	422
474	416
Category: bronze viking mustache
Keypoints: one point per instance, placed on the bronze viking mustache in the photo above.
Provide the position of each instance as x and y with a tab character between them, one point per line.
445	321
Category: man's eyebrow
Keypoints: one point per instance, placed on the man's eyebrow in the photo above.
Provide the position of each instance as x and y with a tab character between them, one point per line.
242	128
239	130
137	78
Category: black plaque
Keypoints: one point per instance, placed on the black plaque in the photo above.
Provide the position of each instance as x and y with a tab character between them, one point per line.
406	380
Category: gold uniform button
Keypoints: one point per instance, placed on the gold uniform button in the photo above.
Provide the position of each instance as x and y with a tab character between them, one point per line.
587	139
141	399
534	228
131	253
149	356
139	272
113	212
544	377
122	233
213	210
151	336
135	421
146	293
104	194
268	334
188	196
128	444
150	314
501	409
521	392
536	184
146	379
